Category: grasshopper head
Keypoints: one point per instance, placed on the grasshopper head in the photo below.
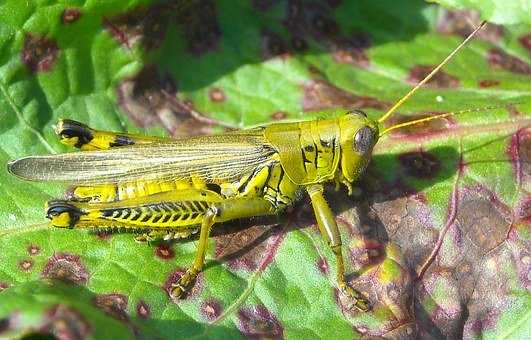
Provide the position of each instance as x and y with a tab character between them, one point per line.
359	134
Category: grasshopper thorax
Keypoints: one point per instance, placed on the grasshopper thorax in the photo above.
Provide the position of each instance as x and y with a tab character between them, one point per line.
359	134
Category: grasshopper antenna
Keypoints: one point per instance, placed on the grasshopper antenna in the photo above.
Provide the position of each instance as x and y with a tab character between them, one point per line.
442	115
429	76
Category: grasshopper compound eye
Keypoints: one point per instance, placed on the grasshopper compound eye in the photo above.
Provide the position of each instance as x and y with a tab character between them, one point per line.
363	140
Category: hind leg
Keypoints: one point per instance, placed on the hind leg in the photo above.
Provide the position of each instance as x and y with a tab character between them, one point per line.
83	137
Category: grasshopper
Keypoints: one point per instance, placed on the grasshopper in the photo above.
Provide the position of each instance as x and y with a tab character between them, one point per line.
171	188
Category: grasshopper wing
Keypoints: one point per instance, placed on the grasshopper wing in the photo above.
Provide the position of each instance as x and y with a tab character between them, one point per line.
214	158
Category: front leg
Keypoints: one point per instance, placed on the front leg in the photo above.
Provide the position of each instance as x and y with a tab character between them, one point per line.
328	228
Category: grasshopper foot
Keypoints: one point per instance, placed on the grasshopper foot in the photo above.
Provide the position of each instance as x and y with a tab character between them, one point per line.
179	289
360	302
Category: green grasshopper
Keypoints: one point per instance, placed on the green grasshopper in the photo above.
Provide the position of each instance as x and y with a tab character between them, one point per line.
170	188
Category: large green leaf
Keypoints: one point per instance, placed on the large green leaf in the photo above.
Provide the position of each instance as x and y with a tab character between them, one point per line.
437	229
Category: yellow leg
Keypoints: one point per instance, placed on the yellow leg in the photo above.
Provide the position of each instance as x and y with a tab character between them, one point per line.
81	136
328	228
219	212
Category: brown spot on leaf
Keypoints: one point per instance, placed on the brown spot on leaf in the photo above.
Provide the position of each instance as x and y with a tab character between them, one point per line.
39	53
151	97
499	59
143	310
421	129
33	249
217	95
210	309
245	249
259	322
488	83
66	267
519	151
143	24
193	291
279	115
526	41
164	251
71	15
312	19
3	286
441	80
112	304
463	22
26	265
199	22
420	164
482	219
322	265
65	322
320	95
352	50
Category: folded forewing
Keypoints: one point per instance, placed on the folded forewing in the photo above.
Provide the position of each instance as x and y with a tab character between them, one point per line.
213	158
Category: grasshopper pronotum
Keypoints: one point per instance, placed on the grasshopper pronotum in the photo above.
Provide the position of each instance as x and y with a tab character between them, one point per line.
170	188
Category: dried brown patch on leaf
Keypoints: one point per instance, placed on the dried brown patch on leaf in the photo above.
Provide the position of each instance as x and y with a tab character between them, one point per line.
422	129
143	310
279	115
26	264
210	309
245	249
151	97
164	251
519	151
71	15
351	50
464	22
66	267
259	322
39	53
526	41
485	83
499	59
192	293
441	80
33	249
322	265
3	286
146	25
320	95
482	220
64	322
406	219
199	22
112	304
311	19
217	95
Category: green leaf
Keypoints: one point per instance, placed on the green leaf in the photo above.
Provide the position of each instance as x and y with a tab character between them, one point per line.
437	229
501	12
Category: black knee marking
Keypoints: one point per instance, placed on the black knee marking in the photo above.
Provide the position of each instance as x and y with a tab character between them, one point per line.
56	208
121	140
70	128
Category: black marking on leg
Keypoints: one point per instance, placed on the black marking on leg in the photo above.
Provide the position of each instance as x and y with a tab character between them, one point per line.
157	218
122	140
58	207
146	218
71	129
